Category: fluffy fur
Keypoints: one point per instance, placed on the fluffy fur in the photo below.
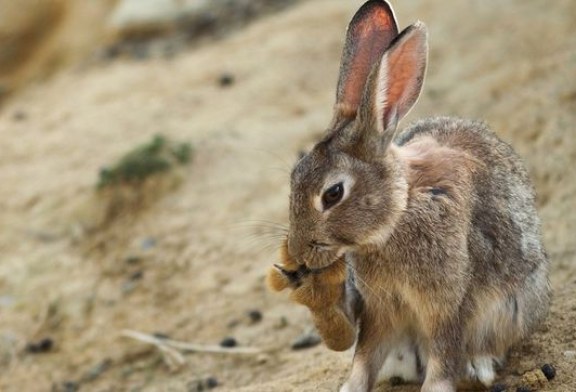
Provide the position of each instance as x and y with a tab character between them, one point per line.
433	262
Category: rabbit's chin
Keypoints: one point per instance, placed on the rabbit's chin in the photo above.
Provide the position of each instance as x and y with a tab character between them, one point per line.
325	260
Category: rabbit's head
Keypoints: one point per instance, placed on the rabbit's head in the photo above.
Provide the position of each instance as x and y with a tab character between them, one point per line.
350	189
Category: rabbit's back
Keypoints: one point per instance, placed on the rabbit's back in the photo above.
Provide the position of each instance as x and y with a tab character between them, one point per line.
502	225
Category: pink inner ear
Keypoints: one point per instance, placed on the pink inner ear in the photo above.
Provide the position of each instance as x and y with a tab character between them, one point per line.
405	65
369	35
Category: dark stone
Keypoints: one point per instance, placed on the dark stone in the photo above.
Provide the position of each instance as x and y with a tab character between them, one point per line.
41	346
228	342
226	80
211	382
255	316
66	386
498	388
549	371
307	340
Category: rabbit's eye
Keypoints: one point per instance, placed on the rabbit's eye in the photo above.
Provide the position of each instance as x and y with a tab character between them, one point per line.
332	195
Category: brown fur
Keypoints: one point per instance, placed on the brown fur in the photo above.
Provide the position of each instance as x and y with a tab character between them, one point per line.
323	294
436	229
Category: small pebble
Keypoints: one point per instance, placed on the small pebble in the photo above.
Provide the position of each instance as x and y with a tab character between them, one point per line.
549	371
211	382
228	342
255	316
306	340
202	385
66	386
160	335
523	389
226	80
41	346
137	275
498	388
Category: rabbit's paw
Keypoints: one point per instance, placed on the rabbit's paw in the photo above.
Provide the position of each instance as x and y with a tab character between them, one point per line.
323	292
316	289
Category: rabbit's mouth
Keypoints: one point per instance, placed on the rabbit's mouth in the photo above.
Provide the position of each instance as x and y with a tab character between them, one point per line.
323	255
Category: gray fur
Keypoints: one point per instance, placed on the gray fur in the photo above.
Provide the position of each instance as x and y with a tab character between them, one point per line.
440	234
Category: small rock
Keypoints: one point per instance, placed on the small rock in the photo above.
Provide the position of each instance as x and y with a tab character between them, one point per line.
255	316
498	388
211	382
41	346
137	275
523	389
160	335
228	342
549	371
202	384
306	340
66	386
226	80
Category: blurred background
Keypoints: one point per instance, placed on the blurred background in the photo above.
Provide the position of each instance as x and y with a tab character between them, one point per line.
145	152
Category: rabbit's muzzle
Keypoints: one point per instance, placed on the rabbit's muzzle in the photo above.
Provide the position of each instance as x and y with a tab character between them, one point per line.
312	253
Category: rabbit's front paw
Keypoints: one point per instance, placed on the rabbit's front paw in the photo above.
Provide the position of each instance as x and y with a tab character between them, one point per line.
323	292
315	289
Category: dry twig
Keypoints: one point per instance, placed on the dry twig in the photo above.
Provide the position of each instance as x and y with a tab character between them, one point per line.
169	348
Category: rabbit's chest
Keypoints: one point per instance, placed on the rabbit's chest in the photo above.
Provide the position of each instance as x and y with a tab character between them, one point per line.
396	289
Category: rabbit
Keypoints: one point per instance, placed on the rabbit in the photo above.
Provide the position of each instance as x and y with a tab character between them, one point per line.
422	247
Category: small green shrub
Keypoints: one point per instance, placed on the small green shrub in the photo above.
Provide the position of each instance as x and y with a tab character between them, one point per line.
157	156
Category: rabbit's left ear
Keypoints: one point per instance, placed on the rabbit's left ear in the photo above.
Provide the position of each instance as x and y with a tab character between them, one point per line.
394	85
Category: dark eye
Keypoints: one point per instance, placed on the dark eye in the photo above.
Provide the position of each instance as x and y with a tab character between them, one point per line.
332	195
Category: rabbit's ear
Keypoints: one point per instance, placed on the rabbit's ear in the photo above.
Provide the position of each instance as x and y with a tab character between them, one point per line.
395	84
369	34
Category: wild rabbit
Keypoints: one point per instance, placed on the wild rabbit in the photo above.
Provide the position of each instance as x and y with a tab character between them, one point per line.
422	246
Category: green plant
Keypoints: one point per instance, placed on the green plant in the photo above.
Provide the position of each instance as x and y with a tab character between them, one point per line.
157	156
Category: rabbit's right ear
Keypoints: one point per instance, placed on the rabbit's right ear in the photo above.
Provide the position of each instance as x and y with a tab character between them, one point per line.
369	34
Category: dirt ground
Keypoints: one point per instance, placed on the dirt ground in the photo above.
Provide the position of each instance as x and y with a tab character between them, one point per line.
191	264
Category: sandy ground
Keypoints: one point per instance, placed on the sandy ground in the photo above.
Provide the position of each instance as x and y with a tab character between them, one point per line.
192	263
